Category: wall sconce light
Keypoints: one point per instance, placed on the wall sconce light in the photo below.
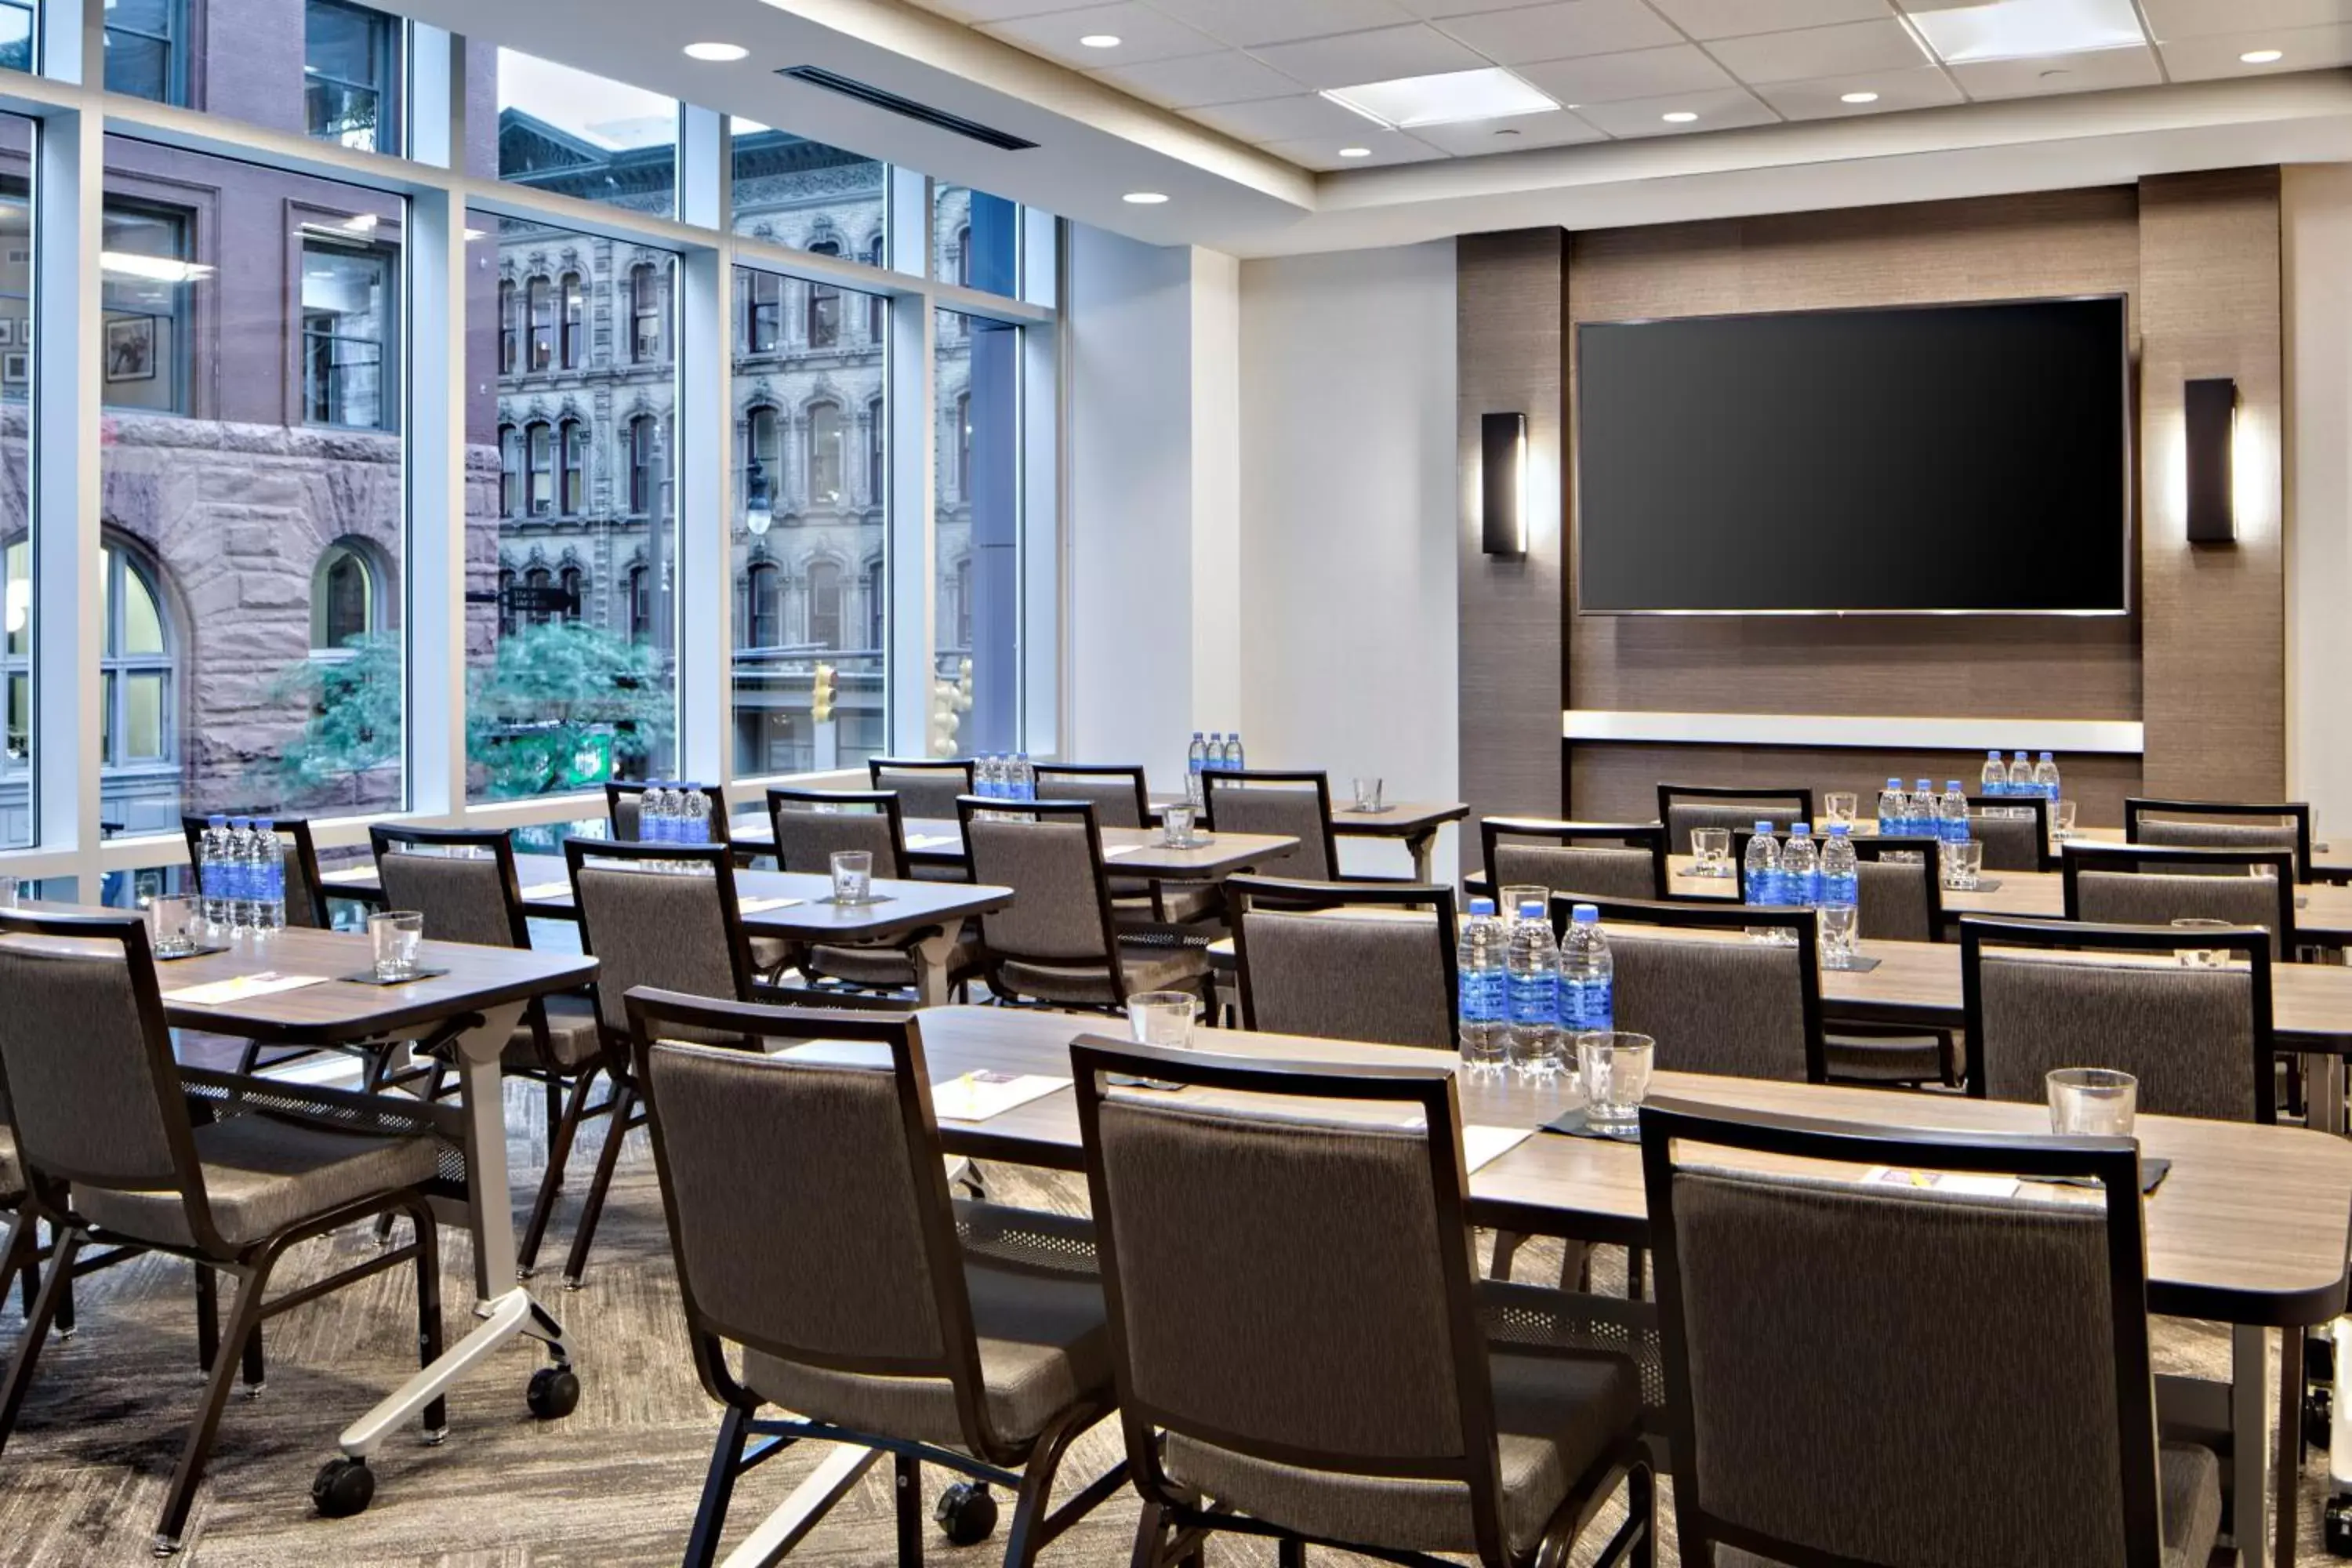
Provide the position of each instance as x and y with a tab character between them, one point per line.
1503	481
2211	410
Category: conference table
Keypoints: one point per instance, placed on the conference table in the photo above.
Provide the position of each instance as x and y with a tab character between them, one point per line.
2248	1228
1415	823
1126	851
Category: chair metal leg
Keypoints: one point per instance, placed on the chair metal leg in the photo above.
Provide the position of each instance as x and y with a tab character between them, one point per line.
1150	1536
37	1321
243	1320
907	1479
255	1371
717	1489
1026	1537
1641	1504
428	1312
559	1134
625	1100
1290	1553
207	1318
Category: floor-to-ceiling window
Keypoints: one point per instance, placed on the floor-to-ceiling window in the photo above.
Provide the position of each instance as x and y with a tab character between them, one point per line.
976	539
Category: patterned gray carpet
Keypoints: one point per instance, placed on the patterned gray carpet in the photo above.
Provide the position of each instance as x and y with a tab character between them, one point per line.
614	1484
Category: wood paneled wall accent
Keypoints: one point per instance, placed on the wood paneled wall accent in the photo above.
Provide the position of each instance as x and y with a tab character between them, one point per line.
1512	297
1617	781
2214	644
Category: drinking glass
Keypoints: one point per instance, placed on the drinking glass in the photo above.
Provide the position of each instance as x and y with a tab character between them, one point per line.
1176	826
1712	846
1521	893
1614	1068
2200	957
2061	825
167	924
1162	1019
1840	806
2091	1102
8	885
853	875
1837	923
1963	865
395	934
1368	795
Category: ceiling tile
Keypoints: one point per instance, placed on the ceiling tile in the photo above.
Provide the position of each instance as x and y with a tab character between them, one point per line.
2300	50
2171	19
1245	23
1383	55
1824	98
1292	119
1198	81
1720	110
1514	134
978	11
1705	19
1644	73
1812	52
2092	70
1143	34
1323	152
1556	32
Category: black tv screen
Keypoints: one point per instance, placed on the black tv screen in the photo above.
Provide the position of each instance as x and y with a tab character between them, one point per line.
1952	458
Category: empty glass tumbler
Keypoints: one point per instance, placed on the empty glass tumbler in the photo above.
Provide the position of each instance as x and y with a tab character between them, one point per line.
853	875
2091	1102
396	935
1613	1067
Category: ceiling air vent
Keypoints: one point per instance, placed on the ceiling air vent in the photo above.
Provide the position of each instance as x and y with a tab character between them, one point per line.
817	76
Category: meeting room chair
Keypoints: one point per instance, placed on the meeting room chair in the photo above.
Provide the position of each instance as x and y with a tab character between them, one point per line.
2014	829
1899	898
1599	859
1998	1408
927	790
811	826
2223	825
2039	994
2116	884
1346	960
1300	1347
1713	1000
1295	802
662	915
623	801
1059	942
1122	798
810	1223
112	1156
1682	808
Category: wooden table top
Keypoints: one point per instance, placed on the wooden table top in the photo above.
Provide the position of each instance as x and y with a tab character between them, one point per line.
1126	851
2249	1227
1396	819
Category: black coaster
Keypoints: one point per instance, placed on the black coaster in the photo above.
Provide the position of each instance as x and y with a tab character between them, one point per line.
367	977
199	951
2152	1170
1576	1124
858	903
1860	963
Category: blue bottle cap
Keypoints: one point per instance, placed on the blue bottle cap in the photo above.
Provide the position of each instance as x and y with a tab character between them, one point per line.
1893	784
1762	825
1952	786
265	824
2045	756
1926	785
217	819
1530	907
1585	914
1800	830
240	822
1840	829
1481	906
1994	755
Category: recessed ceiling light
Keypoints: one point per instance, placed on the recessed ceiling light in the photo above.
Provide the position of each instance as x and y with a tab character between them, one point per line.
720	52
2261	57
1449	97
1858	98
1355	152
1101	41
1678	117
2026	29
1144	198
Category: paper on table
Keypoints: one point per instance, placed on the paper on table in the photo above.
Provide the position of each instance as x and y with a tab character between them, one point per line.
930	840
977	1096
241	988
349	874
548	891
1116	850
1942	1181
1482	1146
761	906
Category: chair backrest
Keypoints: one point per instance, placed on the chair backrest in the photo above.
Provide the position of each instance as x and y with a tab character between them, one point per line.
807	1200
1973	1371
1899	891
623	804
306	896
1258	800
1716	1000
2223	825
1682	808
1288	1288
1050	854
93	1090
811	825
1346	960
2116	884
2014	829
660	915
2039	994
1118	793
926	789
1602	859
462	880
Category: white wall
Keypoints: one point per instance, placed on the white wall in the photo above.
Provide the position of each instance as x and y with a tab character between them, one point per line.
1348	630
2315	220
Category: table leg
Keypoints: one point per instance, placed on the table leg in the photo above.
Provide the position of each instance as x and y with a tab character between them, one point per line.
2249	1409
781	1531
2286	1463
1420	845
2323	1092
931	979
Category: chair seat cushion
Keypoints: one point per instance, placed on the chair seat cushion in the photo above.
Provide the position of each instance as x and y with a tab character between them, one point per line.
886	965
1146	968
1885	1058
1555	1414
572	1036
264	1176
1044	1348
770	953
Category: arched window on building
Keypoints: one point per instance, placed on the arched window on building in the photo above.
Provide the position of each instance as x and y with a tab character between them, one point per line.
540	300
640	464
573	583
575	323
824	303
762	444
506	326
137	667
763	312
645	313
641	605
824	605
960	255
576	467
538	447
877	473
763	606
510	470
346	597
824	454
539	580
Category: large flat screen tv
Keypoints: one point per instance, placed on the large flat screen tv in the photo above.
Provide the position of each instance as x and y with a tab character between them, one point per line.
1940	458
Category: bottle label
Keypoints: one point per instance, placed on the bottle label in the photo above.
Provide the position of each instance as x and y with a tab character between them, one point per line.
1482	997
1535	998
1587	1003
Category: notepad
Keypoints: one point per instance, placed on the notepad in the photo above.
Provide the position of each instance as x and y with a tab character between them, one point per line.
1954	1181
978	1096
931	841
243	988
349	874
1482	1146
548	891
761	906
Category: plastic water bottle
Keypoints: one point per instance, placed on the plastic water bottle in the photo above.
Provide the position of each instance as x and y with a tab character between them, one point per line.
986	777
239	868
1532	976
1801	867
1196	757
653	813
1761	869
1216	755
2020	774
1952	813
1234	759
1894	811
1995	777
1485	1009
1840	878
270	877
694	815
1588	977
2045	778
1025	778
212	870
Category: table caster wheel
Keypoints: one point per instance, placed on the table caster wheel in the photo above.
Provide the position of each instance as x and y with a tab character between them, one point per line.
2318	1416
2335	1525
554	1393
343	1488
966	1512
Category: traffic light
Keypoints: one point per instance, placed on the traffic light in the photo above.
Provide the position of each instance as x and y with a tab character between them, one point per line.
822	694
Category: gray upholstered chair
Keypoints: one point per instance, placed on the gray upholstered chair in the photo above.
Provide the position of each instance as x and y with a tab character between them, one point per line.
1346	960
623	801
2014	829
1862	1374
927	790
1899	898
1682	808
1301	1347
2223	825
1059	941
1295	804
1596	860
660	915
2116	884
110	1155
811	825
2039	994
1121	797
865	1301
1715	1000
